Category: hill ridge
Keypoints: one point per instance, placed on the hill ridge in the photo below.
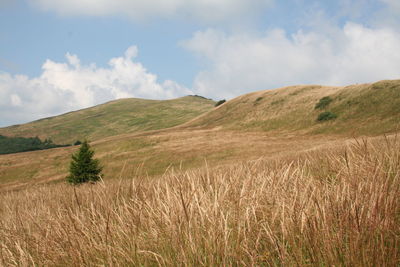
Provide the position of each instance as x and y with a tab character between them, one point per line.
263	124
113	118
373	107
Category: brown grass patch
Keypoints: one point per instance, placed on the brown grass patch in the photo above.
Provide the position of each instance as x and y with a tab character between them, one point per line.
156	151
336	207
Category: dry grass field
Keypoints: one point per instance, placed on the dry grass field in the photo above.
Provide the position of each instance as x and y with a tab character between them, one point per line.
326	207
153	153
257	181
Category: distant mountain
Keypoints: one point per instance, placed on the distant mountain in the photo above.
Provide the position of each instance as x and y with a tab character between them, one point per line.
113	118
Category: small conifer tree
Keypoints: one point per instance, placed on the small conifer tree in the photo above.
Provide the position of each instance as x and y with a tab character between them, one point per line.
83	168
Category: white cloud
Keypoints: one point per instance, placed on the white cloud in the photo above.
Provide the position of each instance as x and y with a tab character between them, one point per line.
203	10
15	100
241	63
69	86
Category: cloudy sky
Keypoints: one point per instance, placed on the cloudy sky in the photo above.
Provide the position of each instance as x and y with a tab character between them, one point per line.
62	55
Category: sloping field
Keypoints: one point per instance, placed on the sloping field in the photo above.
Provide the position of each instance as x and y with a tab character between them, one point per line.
151	153
366	109
113	118
265	124
258	181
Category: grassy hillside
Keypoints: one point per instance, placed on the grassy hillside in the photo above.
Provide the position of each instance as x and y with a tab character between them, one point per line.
151	153
367	109
265	124
257	181
113	118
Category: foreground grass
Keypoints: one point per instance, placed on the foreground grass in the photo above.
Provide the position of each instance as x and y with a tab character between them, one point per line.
324	208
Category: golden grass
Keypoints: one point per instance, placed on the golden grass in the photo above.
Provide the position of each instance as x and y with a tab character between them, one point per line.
155	152
337	207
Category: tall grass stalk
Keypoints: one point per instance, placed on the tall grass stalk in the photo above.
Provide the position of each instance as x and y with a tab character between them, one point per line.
326	208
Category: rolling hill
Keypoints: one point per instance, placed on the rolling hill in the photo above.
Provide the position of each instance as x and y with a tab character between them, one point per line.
113	118
366	109
266	124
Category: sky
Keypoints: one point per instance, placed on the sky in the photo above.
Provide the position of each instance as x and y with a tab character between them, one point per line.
64	55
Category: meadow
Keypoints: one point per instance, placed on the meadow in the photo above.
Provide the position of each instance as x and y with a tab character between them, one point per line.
186	131
332	206
297	176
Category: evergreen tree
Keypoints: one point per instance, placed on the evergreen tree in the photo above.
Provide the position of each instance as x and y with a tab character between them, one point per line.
83	168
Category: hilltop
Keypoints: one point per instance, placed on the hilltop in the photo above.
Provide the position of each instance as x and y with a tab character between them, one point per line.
113	118
366	109
266	124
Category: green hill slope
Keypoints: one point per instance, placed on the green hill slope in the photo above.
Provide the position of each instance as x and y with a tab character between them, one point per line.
267	124
113	118
367	109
